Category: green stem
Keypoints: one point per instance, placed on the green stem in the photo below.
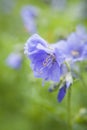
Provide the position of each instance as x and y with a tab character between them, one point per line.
81	79
69	123
68	66
69	109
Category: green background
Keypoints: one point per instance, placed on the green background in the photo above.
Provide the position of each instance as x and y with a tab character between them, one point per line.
24	103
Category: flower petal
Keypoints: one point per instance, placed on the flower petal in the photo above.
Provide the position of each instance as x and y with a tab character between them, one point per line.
34	40
54	72
62	93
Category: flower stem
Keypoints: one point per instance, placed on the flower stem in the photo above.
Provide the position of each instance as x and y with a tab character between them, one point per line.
69	109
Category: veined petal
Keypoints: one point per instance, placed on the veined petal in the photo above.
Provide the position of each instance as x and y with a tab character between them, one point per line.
60	57
46	49
62	46
34	40
54	72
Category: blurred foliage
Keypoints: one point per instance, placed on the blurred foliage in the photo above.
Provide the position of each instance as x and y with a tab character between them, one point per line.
24	104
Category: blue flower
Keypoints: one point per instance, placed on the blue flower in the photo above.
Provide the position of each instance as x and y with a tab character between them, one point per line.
75	46
32	43
28	14
30	10
62	93
81	33
14	60
68	81
46	62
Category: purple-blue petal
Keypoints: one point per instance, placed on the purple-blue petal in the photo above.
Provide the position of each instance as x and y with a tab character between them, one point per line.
14	60
68	84
28	14
54	72
33	42
61	93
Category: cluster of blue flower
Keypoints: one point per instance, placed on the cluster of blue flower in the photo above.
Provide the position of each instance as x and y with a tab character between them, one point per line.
53	62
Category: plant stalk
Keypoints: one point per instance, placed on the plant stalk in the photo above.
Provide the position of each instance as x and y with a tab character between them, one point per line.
69	109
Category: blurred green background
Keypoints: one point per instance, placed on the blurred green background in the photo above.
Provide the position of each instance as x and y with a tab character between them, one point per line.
24	103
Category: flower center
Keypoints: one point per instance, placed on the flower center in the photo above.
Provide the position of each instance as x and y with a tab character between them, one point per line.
47	62
49	59
75	53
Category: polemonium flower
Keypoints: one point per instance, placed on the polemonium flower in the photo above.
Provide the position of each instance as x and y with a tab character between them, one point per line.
14	60
28	14
45	61
74	47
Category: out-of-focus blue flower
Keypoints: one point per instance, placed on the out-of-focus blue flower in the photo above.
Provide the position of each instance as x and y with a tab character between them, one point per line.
45	61
75	46
28	14
14	60
81	33
30	10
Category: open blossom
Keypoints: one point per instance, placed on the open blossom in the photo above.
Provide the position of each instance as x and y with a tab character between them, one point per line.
28	14
46	62
14	60
75	46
